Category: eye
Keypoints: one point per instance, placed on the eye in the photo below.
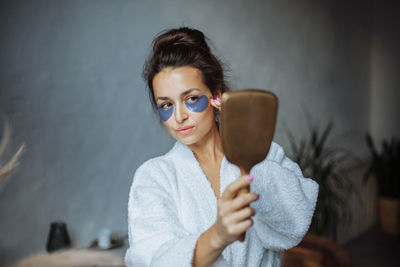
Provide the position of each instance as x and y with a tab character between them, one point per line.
192	99
165	106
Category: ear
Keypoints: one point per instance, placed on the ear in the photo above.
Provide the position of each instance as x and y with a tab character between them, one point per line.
214	103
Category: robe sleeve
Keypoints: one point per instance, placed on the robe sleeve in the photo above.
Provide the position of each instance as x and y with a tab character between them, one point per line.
287	201
156	236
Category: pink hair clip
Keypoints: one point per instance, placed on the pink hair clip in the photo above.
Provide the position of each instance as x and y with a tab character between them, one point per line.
216	101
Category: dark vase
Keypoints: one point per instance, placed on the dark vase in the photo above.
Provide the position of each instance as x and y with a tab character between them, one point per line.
58	237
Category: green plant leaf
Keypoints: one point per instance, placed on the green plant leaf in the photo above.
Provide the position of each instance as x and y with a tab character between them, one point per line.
327	165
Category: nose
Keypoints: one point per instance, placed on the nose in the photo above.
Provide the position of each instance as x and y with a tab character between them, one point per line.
181	113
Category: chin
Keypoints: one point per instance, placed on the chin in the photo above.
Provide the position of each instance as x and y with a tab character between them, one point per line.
186	141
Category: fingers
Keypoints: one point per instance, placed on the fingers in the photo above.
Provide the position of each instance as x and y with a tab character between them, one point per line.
240	215
244	200
234	212
233	189
241	227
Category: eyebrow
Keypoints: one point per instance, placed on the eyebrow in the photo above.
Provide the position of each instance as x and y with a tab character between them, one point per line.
182	94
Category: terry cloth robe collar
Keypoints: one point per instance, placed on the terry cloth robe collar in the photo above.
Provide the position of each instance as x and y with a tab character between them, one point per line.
190	165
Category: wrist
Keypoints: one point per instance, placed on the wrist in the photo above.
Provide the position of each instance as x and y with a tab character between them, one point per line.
208	248
215	241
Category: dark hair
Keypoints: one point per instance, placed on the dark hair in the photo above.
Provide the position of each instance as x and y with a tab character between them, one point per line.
184	47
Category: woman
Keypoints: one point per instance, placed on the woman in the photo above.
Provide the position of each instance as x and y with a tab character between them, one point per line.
183	206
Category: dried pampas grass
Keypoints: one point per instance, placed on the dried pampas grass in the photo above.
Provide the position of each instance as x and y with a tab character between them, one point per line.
63	258
13	162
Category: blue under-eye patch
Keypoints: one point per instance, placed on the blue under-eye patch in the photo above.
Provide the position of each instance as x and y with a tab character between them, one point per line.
200	105
165	114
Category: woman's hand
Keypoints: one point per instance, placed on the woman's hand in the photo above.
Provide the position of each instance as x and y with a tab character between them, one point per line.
234	212
234	218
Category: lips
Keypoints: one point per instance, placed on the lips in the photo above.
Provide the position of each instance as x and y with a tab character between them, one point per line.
185	130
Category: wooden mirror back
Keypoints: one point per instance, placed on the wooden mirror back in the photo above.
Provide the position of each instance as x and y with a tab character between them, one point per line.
247	126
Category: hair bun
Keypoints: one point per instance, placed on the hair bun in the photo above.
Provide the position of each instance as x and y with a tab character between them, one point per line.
182	36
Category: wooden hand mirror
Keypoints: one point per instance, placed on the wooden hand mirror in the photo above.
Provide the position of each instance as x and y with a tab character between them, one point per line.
247	125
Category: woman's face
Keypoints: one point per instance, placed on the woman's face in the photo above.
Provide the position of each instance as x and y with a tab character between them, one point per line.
183	103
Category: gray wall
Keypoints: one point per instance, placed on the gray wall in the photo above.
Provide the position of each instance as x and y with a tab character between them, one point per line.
385	71
384	108
70	82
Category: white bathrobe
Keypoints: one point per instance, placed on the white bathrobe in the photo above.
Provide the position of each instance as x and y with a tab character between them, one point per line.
171	203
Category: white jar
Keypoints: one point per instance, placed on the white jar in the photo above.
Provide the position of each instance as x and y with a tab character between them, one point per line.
104	238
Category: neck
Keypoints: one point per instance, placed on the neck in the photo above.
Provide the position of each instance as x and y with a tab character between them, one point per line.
209	148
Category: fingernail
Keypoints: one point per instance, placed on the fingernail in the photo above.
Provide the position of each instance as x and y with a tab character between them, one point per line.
258	196
212	101
250	178
218	100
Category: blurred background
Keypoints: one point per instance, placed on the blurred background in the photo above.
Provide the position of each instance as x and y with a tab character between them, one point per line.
71	88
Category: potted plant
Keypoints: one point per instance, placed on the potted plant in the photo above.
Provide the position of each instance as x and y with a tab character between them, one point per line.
385	166
328	166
